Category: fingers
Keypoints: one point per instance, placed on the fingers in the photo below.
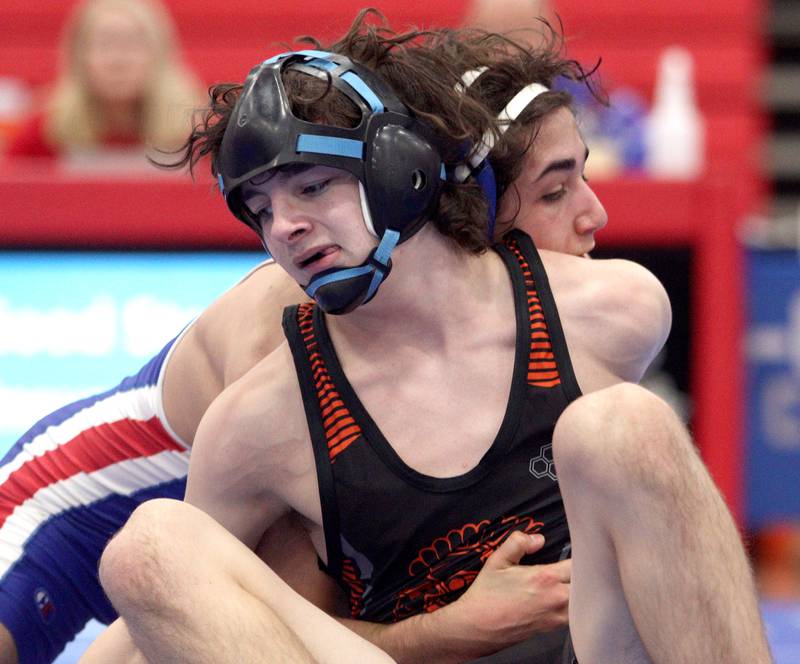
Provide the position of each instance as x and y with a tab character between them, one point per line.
511	551
517	545
563	570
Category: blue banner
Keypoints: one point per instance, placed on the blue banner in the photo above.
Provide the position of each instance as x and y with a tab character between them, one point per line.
773	387
73	324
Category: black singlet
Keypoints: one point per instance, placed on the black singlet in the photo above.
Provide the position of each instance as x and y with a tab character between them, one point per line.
400	542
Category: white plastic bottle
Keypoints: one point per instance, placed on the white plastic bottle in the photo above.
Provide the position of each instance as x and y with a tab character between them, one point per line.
675	130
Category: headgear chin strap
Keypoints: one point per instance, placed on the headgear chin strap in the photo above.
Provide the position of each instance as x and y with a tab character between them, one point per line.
477	164
393	155
340	290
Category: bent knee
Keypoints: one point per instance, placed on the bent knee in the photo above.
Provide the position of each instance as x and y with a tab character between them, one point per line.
132	567
618	434
594	421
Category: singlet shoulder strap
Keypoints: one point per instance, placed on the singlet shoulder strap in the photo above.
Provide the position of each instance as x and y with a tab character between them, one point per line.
549	363
298	326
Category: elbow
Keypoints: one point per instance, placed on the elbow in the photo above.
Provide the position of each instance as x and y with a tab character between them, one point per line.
652	322
643	321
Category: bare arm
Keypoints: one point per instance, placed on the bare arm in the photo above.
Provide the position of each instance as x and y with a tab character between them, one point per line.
636	316
287	549
506	604
229	338
226	473
8	649
615	314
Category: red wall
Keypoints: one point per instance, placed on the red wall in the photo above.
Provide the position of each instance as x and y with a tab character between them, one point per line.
222	44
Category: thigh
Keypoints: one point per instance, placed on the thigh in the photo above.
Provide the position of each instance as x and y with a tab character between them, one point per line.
49	588
601	625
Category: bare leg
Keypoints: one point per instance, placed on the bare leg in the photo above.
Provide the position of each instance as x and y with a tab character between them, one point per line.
659	572
189	591
8	649
113	645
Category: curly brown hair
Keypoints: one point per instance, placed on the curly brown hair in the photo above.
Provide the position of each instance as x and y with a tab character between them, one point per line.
424	68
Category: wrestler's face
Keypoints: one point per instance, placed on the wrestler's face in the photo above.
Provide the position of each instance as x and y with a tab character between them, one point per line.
557	208
310	219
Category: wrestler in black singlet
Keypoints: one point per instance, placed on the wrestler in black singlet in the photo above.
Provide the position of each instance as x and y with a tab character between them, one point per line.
400	542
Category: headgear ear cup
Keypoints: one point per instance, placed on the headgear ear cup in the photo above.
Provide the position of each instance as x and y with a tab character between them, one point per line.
403	179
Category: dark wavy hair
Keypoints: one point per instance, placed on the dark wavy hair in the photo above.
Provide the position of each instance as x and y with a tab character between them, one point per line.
424	68
505	77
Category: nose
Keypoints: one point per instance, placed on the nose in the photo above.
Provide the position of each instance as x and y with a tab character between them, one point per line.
289	219
592	216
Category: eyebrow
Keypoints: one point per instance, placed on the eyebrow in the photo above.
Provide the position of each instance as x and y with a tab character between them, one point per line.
287	171
560	165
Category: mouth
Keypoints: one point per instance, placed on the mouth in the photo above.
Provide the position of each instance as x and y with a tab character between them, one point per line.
318	259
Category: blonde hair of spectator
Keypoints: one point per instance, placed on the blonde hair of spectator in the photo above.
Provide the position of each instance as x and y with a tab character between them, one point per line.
76	120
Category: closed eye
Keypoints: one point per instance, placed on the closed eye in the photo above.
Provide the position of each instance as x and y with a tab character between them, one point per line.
556	195
316	187
260	210
257	203
264	215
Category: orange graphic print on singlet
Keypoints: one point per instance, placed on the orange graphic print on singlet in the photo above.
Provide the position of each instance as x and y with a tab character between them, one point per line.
445	569
355	586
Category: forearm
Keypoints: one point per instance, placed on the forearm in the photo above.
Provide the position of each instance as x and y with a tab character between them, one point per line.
505	605
428	637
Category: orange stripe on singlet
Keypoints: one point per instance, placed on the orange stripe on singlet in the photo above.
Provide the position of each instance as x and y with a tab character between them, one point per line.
542	368
341	430
341	442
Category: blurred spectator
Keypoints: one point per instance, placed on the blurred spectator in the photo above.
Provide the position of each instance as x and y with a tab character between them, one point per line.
506	15
15	102
614	131
122	87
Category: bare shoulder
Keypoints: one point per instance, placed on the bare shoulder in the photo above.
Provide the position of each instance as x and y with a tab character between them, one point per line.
252	450
237	330
614	312
260	411
607	282
244	324
252	461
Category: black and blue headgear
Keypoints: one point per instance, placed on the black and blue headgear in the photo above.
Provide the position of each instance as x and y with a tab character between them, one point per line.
393	155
